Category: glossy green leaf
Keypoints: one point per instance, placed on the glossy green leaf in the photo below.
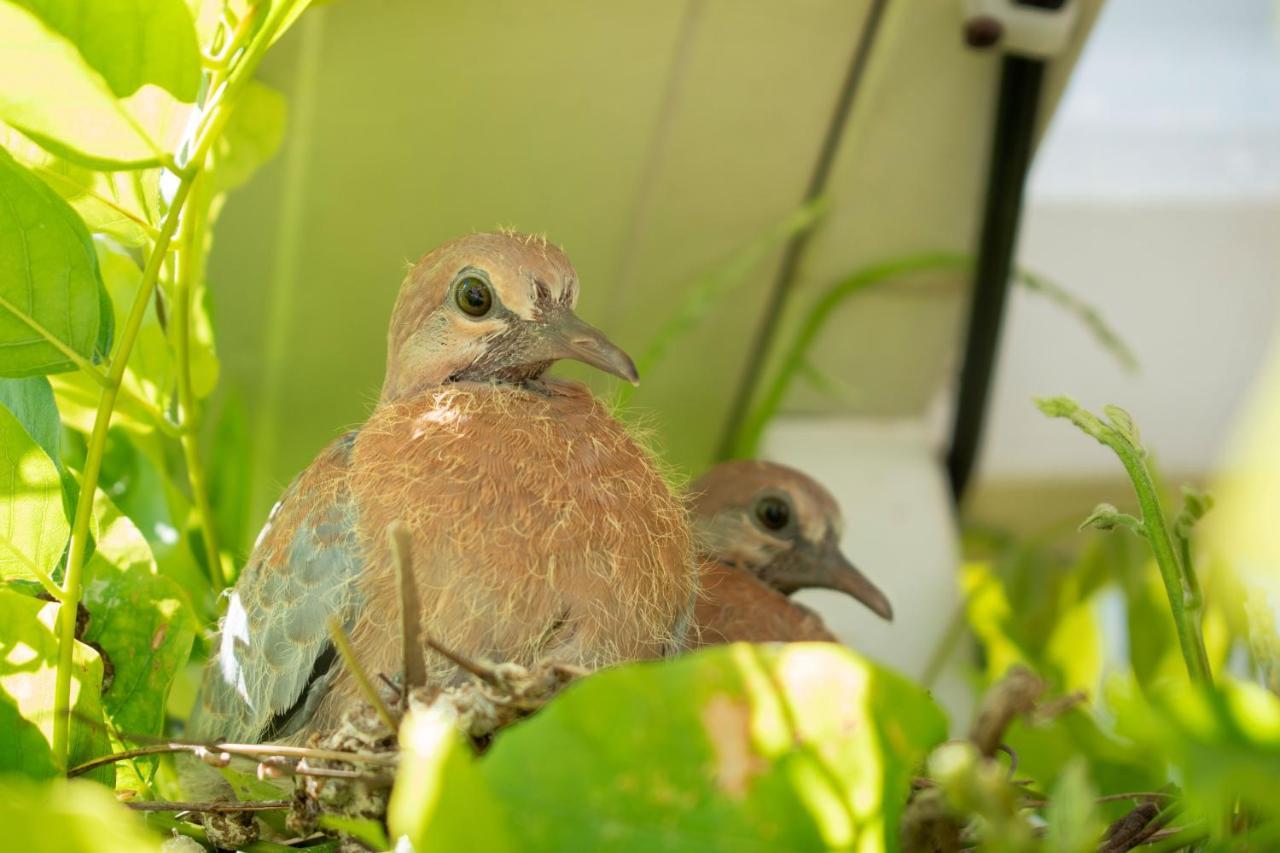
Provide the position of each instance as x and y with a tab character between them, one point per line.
129	42
50	288
50	93
33	528
69	817
139	618
740	747
440	800
28	661
252	136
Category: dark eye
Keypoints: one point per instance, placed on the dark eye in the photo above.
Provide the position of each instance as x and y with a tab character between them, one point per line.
773	512
474	296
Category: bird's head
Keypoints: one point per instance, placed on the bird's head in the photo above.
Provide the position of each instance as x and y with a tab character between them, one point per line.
494	307
781	526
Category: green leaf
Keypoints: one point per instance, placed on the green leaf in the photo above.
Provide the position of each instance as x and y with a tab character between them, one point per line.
33	528
129	42
1074	826
1122	422
440	800
31	401
151	374
1106	517
252	136
140	484
50	288
28	663
139	618
122	205
739	747
1224	742
231	485
69	817
50	93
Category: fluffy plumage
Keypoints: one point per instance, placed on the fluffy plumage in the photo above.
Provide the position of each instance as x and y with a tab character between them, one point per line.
540	529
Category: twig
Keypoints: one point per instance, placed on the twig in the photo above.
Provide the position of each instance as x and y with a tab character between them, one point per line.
247	750
212	808
415	664
1134	795
484	673
1014	695
381	780
362	678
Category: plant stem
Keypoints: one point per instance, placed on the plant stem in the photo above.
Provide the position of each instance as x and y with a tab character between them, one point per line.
89	479
748	434
1185	604
71	586
188	408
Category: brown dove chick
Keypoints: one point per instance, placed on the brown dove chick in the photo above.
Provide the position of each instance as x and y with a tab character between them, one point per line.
764	531
540	529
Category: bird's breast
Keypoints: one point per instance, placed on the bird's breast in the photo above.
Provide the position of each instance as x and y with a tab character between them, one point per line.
540	527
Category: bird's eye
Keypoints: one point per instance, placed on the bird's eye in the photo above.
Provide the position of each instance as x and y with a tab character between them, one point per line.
474	296
773	512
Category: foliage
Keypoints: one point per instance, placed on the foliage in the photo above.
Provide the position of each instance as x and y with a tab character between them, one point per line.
123	497
806	747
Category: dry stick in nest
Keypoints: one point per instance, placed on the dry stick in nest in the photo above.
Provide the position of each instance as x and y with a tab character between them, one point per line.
219	807
1015	695
220	753
415	664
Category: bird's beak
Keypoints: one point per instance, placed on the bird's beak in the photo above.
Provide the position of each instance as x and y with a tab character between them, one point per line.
567	336
832	570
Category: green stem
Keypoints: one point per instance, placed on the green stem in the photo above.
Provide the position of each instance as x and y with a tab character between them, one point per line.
71	586
188	407
89	480
1184	603
747	441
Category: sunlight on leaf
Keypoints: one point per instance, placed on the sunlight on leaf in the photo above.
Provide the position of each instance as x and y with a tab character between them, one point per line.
31	401
121	205
129	42
139	618
69	817
440	800
50	288
50	93
737	748
28	658
33	528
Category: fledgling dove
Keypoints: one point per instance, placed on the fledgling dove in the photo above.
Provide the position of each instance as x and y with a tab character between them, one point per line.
540	529
764	531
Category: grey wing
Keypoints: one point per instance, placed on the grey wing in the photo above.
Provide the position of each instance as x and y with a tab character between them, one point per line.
273	659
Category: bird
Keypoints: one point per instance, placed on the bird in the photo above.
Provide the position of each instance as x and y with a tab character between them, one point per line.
540	528
763	531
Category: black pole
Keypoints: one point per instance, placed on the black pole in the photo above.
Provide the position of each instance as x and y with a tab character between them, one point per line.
1020	85
796	245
